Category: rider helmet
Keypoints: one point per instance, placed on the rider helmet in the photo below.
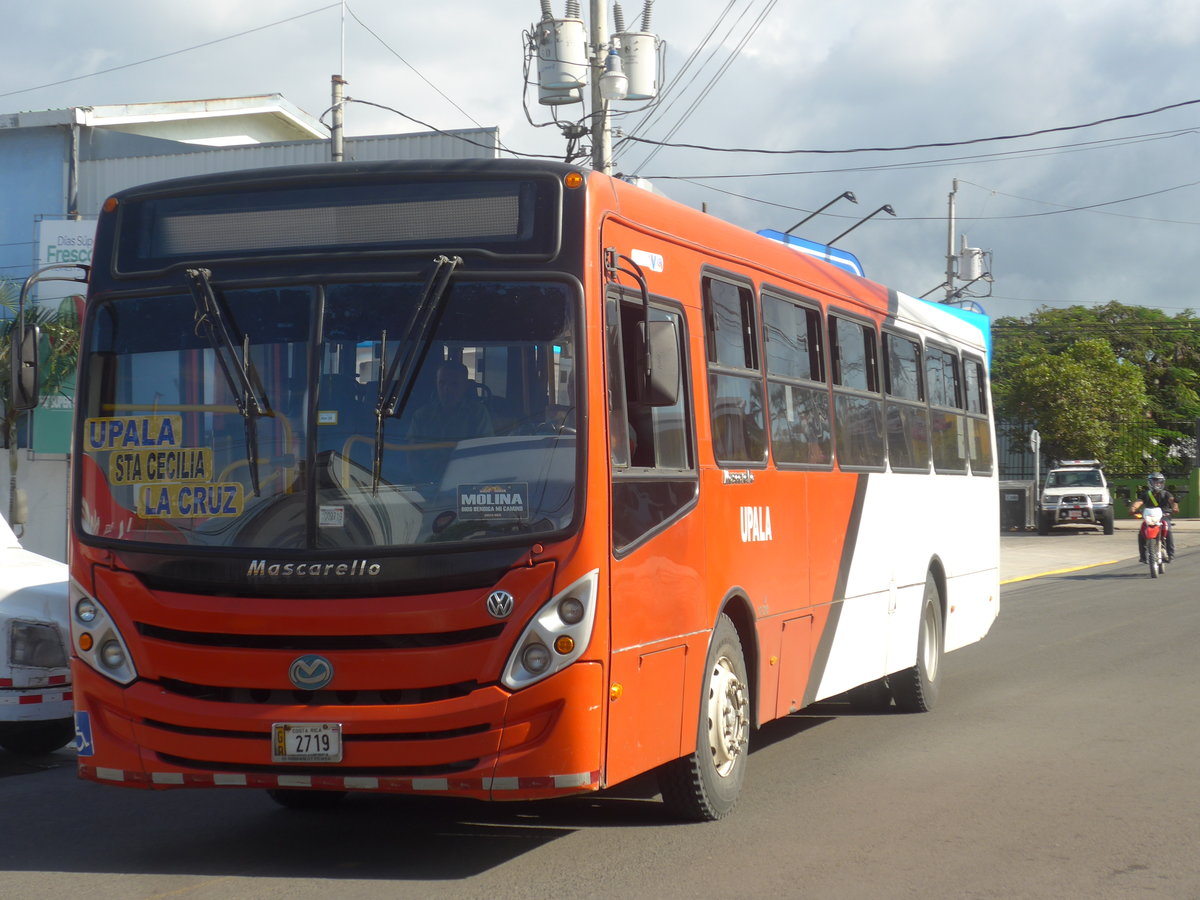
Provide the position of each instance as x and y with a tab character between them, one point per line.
1156	481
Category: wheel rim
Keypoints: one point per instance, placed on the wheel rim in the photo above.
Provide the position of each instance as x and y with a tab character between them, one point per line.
931	643
728	716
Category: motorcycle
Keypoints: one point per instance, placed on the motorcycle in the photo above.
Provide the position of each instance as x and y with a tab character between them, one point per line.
1154	530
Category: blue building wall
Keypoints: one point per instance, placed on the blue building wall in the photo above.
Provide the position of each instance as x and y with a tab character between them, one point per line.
33	182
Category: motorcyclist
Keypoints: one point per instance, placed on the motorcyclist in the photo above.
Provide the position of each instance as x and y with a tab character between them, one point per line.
1155	494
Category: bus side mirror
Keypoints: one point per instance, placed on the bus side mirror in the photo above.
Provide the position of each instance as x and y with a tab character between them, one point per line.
24	358
660	376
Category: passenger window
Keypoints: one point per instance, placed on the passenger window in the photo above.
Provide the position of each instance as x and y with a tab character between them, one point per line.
734	382
947	423
906	415
797	398
979	417
854	362
857	406
654	472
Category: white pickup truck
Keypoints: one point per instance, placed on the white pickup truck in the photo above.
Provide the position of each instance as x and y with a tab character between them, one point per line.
1075	493
35	676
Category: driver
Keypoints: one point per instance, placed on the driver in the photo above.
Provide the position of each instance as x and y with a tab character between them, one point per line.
1155	494
455	414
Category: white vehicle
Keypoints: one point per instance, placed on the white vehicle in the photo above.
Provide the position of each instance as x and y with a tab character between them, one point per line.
35	675
1076	493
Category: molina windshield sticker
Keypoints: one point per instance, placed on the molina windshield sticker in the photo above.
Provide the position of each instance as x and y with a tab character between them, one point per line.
494	501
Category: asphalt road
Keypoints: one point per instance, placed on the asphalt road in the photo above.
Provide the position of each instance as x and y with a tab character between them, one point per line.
1061	762
1026	554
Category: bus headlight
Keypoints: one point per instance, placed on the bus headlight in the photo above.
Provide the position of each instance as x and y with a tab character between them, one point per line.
556	636
96	639
535	658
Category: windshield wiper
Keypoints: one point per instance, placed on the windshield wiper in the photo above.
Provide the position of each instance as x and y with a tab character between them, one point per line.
397	384
240	374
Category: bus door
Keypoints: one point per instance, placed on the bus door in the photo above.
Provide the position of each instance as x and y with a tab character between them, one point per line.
761	514
656	587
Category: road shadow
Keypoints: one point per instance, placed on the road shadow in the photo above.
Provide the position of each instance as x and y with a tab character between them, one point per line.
82	827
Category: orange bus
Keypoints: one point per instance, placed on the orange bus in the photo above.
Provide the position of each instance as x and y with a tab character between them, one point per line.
501	479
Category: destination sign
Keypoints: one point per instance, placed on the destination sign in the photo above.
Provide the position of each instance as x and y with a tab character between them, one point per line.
185	501
125	433
178	464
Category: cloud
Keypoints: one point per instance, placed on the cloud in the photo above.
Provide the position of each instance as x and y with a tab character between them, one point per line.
814	75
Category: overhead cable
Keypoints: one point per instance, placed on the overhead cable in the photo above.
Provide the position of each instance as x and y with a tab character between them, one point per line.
140	62
963	143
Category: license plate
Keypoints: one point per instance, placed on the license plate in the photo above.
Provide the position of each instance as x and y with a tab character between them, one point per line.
306	742
1076	514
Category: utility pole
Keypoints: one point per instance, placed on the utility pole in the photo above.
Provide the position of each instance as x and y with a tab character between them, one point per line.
601	124
950	255
335	131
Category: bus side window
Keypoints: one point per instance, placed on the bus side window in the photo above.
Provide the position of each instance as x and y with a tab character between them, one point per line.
906	413
797	397
946	421
978	416
734	381
654	471
620	436
857	406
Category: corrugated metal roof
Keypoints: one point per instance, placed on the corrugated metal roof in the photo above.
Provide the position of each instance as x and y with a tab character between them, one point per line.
101	178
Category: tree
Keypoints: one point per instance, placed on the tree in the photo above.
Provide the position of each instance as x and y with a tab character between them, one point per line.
1079	398
58	353
1164	349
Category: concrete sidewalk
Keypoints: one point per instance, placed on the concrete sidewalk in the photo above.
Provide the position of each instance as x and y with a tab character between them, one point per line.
1027	554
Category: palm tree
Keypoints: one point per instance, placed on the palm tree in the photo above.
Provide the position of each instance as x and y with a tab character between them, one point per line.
59	353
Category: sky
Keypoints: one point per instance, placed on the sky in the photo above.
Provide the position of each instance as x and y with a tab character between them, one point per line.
1072	215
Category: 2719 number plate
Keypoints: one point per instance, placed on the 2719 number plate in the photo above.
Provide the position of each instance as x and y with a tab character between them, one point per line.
306	742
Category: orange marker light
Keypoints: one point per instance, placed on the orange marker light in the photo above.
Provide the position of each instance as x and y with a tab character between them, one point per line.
573	180
85	641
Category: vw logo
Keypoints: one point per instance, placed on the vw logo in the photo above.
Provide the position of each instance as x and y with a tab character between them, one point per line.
311	672
500	604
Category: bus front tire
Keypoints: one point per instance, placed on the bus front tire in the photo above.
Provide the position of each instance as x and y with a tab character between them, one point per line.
301	799
916	689
704	785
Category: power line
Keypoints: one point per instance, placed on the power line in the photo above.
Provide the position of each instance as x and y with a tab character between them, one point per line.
962	143
1091	207
687	113
998	156
465	140
141	62
1094	207
390	50
659	109
1086	304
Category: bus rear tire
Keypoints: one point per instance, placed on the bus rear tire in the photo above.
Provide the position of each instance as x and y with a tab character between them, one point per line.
301	799
705	785
916	689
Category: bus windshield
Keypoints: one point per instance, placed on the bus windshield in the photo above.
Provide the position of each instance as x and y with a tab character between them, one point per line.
327	416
